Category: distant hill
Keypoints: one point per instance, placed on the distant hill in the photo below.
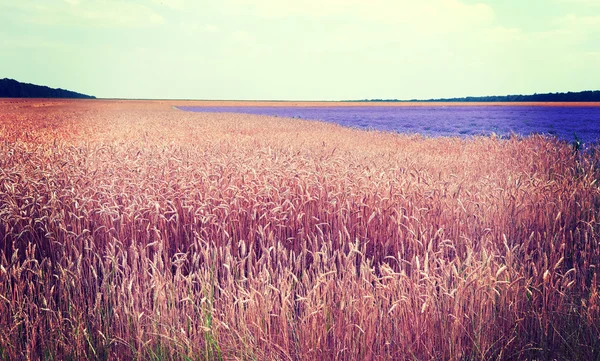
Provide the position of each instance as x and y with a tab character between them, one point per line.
10	88
583	96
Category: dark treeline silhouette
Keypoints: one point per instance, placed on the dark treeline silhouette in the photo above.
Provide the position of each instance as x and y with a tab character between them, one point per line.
10	88
583	96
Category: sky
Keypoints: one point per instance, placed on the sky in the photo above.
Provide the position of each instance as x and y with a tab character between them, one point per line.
302	49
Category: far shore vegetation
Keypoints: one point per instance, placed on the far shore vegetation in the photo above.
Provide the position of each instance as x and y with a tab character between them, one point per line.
582	96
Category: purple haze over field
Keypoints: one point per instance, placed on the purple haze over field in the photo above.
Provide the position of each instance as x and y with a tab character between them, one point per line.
563	122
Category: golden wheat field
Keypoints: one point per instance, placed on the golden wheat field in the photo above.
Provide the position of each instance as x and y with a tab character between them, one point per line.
130	230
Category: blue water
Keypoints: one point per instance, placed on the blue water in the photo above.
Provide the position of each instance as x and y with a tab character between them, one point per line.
564	122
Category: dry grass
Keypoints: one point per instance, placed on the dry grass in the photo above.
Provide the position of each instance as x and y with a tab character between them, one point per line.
130	230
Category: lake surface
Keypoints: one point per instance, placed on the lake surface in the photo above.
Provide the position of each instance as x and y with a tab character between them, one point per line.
564	122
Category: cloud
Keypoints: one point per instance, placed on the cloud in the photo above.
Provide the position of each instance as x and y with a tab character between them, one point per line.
434	14
243	37
247	43
196	28
211	28
29	42
283	8
97	13
594	3
579	23
173	4
378	30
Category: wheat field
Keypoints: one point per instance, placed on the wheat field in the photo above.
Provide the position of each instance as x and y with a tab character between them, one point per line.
130	230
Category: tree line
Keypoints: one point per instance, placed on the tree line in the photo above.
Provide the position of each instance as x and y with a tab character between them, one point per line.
10	88
582	96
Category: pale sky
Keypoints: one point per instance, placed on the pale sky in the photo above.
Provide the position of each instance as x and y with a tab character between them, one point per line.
302	50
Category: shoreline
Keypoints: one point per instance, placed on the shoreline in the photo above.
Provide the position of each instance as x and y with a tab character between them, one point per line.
286	103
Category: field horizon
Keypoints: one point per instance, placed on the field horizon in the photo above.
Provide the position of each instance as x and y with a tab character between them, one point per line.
130	230
274	103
